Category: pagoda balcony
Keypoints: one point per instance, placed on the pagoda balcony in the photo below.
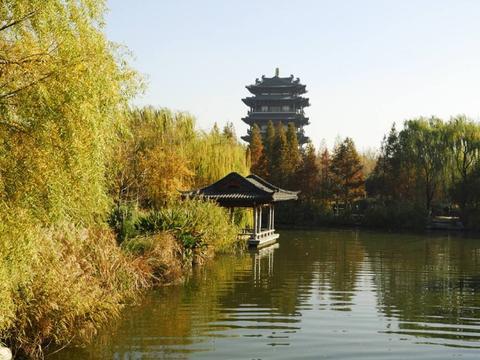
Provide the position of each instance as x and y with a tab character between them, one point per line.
295	112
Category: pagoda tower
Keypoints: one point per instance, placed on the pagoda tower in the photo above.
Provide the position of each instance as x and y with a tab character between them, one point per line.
277	99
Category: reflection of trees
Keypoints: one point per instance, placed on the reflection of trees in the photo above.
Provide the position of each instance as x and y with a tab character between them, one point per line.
170	319
431	285
340	258
305	262
178	317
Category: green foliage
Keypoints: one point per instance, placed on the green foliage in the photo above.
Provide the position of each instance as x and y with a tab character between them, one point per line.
63	85
430	162
123	220
195	224
398	215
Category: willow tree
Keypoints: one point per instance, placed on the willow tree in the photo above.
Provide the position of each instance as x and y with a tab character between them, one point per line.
463	139
63	85
159	152
423	148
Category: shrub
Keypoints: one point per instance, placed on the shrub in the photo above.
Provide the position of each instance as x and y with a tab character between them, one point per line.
122	220
195	224
400	215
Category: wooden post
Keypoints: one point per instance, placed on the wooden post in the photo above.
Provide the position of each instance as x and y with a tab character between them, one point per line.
260	220
269	216
273	217
254	221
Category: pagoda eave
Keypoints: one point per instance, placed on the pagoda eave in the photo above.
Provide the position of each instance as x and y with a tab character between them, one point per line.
276	118
258	89
260	100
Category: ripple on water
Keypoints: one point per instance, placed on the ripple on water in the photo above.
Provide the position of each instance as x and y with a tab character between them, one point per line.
321	294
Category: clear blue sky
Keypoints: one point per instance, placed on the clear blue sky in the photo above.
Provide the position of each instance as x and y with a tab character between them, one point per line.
366	63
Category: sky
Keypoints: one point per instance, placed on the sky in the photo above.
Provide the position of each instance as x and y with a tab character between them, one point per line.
366	64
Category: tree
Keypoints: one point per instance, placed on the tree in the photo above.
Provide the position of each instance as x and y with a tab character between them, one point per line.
325	175
63	88
383	181
279	157
258	158
293	155
229	132
269	144
308	173
424	148
346	170
463	139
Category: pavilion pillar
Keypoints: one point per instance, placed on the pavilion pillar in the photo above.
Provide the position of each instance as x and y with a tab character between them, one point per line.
273	217
270	217
260	220
254	221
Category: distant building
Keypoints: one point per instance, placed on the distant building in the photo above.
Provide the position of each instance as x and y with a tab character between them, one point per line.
277	99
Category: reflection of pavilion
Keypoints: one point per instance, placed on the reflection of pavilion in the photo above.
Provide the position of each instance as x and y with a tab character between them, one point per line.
252	191
263	259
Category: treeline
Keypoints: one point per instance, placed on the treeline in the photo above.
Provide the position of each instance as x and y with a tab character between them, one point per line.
89	189
325	179
429	168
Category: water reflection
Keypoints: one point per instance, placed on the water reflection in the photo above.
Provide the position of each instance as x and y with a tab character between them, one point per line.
332	294
266	254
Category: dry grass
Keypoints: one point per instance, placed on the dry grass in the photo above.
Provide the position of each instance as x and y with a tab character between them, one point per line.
158	257
63	283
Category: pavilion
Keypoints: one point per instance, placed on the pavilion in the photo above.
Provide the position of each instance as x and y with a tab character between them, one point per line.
252	191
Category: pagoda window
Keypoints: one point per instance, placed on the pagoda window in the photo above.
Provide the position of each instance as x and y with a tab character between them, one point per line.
286	108
274	108
264	108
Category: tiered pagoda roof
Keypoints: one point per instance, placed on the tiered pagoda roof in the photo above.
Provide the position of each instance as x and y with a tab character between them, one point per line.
276	83
277	99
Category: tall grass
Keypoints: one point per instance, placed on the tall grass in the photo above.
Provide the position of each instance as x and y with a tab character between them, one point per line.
59	284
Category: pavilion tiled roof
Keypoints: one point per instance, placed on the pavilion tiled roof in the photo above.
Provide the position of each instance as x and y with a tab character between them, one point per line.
234	190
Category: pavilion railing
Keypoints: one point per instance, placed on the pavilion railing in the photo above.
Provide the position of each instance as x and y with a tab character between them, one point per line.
259	235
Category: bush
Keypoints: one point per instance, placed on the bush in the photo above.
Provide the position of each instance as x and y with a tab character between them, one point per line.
399	215
197	225
122	220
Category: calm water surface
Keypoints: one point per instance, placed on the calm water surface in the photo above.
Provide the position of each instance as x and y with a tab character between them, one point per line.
318	295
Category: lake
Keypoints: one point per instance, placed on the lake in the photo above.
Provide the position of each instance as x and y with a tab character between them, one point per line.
328	294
